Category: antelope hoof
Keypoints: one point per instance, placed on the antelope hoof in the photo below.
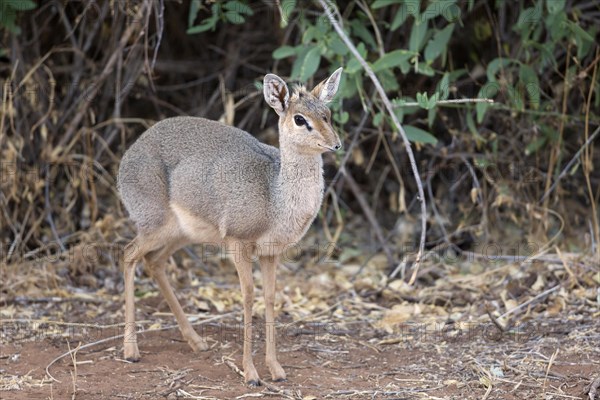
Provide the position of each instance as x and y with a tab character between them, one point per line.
251	376
198	344
131	352
277	372
253	383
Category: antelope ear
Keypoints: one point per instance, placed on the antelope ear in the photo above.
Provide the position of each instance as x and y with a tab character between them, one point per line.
276	93
327	89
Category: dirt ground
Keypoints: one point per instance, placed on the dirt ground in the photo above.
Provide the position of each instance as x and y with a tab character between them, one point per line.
339	337
340	365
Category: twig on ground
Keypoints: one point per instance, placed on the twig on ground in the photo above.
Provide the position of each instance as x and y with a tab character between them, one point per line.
488	310
552	358
35	300
74	372
592	388
528	302
109	339
61	323
269	386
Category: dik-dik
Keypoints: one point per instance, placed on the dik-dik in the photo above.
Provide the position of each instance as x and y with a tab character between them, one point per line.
191	180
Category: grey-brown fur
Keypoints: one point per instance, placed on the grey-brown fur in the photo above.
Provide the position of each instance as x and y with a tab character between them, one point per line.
194	162
192	180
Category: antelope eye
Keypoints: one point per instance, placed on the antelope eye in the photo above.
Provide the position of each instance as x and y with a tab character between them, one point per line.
299	120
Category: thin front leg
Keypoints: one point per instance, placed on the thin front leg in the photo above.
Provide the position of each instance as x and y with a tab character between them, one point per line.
269	267
244	269
130	347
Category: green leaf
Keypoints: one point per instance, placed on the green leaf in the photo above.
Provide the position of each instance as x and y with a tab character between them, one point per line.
415	134
400	17
208	23
440	7
238	7
474	132
528	19
307	63
384	3
323	26
393	59
452	13
417	34
482	107
338	46
438	43
433	101
555	6
584	47
531	83
388	80
378	119
359	29
431	114
457	73
494	66
353	66
413	7
7	19
422	100
535	145
556	24
194	8
471	124
283	52
362	50
443	86
21	5
309	34
234	17
341	118
286	9
547	58
578	31
201	28
399	112
425	69
427	102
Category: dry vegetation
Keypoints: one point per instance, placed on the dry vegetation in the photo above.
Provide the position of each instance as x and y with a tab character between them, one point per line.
506	304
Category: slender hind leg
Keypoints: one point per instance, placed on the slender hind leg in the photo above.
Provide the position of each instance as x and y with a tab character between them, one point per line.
141	245
132	254
157	265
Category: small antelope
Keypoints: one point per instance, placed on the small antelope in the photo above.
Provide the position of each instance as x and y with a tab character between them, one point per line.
191	180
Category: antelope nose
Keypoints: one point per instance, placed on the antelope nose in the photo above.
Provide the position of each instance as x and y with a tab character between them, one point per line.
337	146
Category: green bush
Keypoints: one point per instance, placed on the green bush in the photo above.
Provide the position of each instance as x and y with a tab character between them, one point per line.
9	10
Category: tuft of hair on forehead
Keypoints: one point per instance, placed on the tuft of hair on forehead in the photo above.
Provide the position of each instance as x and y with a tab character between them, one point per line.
299	91
305	101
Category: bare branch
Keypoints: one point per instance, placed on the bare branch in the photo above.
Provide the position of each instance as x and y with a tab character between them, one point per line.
390	108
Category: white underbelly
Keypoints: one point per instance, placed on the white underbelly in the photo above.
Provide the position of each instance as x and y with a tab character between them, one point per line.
195	228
